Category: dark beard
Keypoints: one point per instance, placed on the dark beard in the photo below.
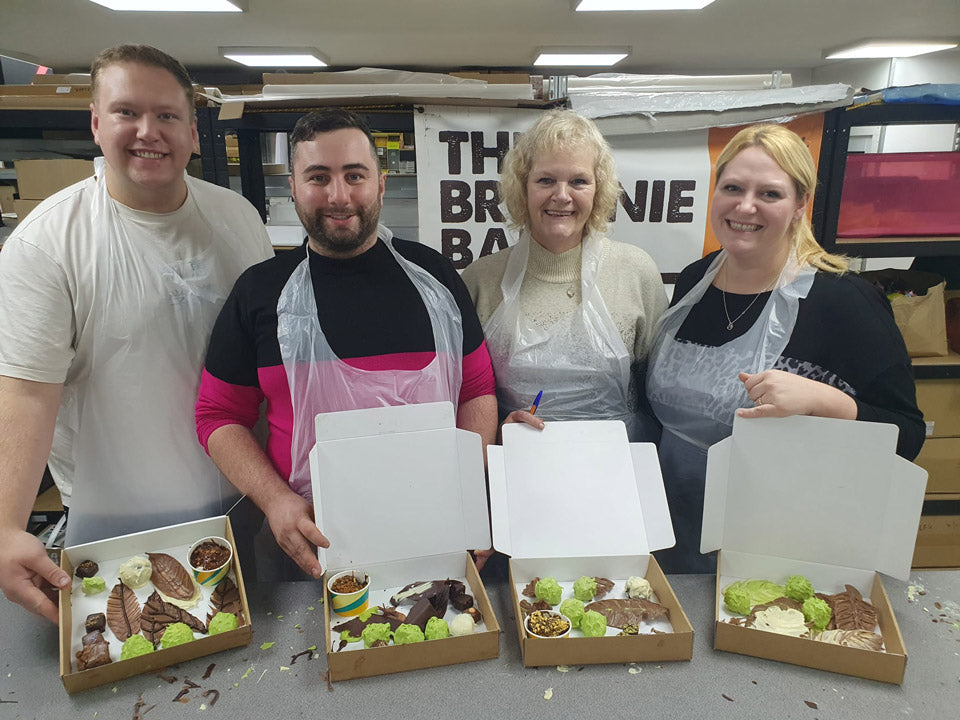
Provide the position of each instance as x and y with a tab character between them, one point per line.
341	241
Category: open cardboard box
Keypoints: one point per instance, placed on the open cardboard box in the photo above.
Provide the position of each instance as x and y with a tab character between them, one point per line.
578	499
400	493
174	540
824	498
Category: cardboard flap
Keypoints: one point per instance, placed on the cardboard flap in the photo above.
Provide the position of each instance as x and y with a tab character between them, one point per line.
715	496
813	489
653	497
384	420
385	497
901	519
572	490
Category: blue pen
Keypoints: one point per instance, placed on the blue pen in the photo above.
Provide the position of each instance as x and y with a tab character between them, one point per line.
536	403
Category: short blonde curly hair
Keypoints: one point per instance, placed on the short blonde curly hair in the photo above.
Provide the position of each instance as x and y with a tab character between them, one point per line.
559	130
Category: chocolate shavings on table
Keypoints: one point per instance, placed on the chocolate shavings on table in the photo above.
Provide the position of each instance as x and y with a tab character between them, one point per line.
628	611
530	589
726	697
170	577
226	598
326	677
158	613
811	705
209	672
851	611
603	587
138	708
308	653
123	612
215	694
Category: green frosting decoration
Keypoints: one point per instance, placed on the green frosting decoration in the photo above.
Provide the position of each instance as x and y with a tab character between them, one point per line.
573	610
365	615
741	596
135	646
345	636
222	622
376	631
593	624
798	588
176	633
94	585
585	588
816	611
406	634
548	590
437	629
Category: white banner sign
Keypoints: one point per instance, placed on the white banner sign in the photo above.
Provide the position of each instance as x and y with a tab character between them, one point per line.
665	179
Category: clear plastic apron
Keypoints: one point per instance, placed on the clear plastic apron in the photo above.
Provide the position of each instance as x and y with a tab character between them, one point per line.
580	362
320	382
695	393
138	462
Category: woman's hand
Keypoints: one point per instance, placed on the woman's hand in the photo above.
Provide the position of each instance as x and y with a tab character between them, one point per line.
519	416
778	394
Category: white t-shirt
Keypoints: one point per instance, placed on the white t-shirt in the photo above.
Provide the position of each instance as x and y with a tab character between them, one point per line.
48	285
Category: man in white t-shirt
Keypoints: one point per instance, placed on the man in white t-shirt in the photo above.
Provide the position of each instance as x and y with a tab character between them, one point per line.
109	290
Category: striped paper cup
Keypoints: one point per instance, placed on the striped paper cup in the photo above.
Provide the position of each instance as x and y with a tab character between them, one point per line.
350	603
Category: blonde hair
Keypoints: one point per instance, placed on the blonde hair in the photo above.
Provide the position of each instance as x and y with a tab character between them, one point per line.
559	130
788	150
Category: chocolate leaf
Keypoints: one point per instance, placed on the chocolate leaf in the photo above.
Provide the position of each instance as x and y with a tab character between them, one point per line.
226	598
851	611
863	639
123	612
170	577
158	613
603	587
530	589
629	611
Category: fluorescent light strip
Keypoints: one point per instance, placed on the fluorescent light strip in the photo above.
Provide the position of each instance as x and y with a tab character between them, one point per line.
640	5
576	59
169	5
889	49
275	60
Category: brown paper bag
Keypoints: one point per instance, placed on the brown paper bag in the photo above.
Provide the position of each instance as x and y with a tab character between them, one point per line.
923	322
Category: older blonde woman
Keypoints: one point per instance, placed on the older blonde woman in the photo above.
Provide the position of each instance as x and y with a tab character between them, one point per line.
771	325
565	310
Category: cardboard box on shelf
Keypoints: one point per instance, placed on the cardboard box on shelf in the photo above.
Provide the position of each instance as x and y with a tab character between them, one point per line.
400	493
939	400
938	539
823	498
940	457
39	179
45	97
174	540
6	198
578	499
22	208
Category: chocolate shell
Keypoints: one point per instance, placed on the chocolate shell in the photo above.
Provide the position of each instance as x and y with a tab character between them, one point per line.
629	611
95	651
123	612
531	588
95	621
412	592
429	606
158	613
603	587
170	577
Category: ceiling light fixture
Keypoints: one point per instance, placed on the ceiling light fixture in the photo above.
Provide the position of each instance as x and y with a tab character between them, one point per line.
638	5
275	56
580	56
888	49
173	5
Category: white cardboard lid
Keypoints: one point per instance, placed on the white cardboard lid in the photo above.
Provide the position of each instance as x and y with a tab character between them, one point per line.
814	489
576	489
395	483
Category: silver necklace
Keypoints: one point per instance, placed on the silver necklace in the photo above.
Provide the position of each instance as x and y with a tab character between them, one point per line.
723	295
